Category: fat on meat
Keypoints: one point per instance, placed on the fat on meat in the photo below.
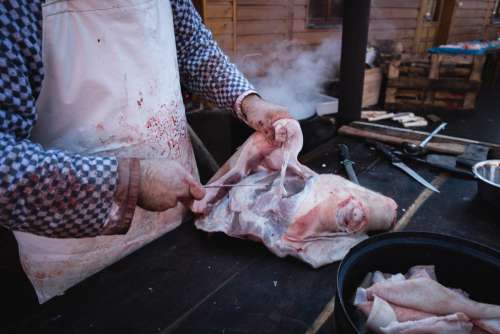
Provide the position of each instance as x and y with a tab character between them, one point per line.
402	313
288	207
427	295
489	325
418	303
451	324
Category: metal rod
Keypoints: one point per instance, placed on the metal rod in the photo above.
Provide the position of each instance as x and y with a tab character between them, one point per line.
352	63
433	133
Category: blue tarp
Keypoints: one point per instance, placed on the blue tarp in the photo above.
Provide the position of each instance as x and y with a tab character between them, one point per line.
461	51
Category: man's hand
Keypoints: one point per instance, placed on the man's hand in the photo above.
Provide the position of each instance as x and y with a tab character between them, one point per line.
164	183
261	115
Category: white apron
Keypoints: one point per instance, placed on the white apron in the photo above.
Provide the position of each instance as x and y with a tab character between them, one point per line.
111	87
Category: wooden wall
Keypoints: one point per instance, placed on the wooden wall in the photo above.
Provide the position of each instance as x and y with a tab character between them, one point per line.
470	20
261	23
491	31
247	26
394	20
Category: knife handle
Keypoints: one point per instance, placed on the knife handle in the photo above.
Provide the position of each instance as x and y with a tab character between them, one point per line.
386	150
344	152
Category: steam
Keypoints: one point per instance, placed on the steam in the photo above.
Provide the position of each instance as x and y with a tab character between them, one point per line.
291	77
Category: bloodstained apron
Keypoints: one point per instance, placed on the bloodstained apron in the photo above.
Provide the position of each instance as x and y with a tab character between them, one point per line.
111	87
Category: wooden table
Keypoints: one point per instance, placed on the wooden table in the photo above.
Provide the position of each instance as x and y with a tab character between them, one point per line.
188	282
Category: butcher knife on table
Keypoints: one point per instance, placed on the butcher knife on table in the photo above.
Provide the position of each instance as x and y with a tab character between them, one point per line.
396	161
345	157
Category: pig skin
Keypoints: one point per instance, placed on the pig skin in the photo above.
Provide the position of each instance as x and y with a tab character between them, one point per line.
316	218
451	324
439	299
394	304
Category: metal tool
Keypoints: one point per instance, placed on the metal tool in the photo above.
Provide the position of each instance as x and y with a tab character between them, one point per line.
440	161
396	161
345	157
414	149
230	185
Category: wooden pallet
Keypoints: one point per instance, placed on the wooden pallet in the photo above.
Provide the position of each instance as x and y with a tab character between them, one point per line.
371	89
434	82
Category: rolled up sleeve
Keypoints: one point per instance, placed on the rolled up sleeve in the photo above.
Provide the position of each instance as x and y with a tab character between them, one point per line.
53	193
203	67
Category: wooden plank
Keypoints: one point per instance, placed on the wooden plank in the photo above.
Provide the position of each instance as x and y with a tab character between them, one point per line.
470	13
470	101
435	61
262	2
225	42
299	25
445	95
235	22
452	85
261	13
391	24
220	26
395	4
245	28
394	69
393	13
474	5
419	135
219	10
371	89
466	21
314	37
300	12
390	95
477	68
323	317
421	46
392	34
257	42
448	148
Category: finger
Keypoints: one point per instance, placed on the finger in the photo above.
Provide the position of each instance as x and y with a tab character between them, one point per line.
196	190
186	201
280	133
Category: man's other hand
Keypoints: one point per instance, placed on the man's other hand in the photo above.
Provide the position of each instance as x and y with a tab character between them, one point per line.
164	183
261	115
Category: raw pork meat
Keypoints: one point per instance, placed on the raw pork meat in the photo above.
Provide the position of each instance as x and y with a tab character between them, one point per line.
287	206
451	324
417	303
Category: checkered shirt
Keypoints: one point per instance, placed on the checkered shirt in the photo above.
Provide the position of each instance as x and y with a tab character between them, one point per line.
56	193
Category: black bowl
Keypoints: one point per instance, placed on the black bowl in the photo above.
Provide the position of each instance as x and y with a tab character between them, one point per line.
459	264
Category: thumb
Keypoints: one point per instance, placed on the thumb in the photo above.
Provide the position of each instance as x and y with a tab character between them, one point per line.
196	190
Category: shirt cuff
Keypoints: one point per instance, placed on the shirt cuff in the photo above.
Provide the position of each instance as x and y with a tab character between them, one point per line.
125	201
237	108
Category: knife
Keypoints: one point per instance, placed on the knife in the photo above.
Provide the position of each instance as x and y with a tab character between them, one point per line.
345	157
440	161
230	185
396	161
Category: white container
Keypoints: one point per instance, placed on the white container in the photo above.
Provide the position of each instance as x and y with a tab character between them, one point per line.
327	105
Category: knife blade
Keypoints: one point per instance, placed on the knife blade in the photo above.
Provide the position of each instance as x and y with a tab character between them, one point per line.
414	175
230	185
345	157
396	161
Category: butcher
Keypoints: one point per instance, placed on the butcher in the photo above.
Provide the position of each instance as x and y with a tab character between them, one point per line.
92	120
93	132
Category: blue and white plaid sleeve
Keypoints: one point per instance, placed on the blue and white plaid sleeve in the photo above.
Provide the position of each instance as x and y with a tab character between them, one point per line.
204	68
50	193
